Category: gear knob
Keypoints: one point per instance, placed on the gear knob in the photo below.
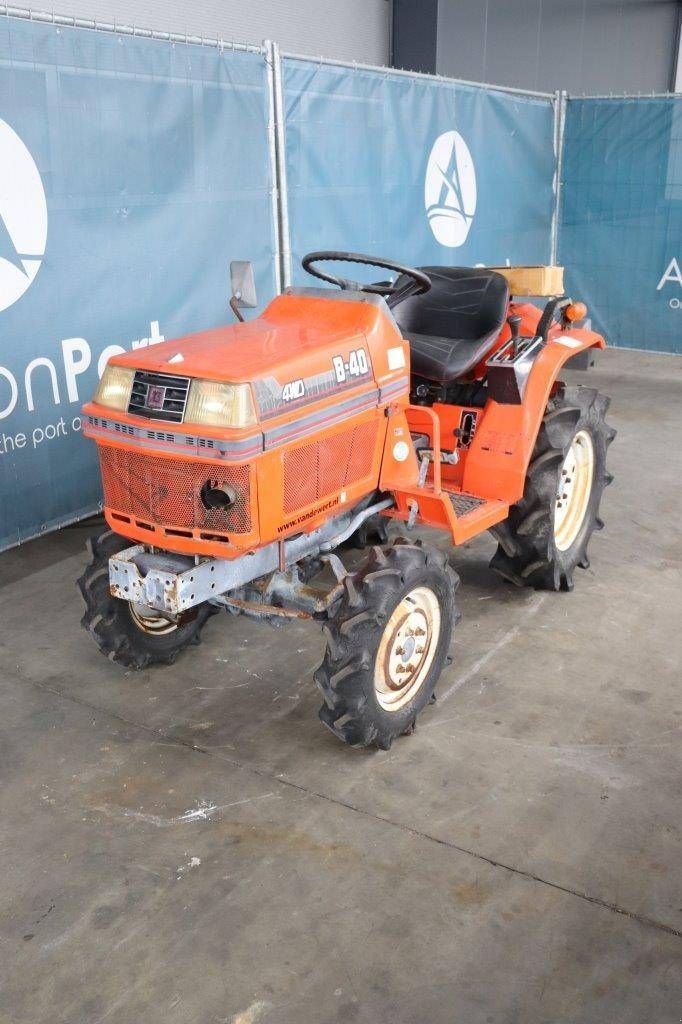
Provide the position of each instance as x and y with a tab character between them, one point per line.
514	322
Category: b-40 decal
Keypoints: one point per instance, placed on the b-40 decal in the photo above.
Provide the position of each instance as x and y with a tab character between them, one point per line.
356	366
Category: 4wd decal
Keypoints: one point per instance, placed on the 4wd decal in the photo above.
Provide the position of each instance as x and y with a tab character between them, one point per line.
275	398
292	391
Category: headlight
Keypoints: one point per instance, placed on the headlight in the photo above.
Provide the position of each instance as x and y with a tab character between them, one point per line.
114	387
220	405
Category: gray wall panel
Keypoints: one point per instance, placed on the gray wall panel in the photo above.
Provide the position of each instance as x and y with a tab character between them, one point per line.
590	46
348	30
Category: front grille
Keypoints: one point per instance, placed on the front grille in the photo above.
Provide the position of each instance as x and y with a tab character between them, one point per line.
167	492
314	471
159	396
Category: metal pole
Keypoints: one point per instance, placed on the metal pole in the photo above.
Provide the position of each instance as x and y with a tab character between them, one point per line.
67	21
402	73
677	69
560	126
281	157
556	103
275	193
618	97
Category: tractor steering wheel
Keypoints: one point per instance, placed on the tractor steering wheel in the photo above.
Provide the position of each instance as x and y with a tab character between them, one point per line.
418	284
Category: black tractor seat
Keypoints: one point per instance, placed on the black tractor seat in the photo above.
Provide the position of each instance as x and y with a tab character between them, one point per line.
454	325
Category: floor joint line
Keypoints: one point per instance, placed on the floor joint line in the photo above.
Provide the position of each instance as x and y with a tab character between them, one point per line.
263	773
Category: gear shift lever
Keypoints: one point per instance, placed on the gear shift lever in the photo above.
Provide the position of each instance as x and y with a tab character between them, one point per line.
514	322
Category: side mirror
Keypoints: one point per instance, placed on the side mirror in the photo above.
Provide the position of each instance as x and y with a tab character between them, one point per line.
243	287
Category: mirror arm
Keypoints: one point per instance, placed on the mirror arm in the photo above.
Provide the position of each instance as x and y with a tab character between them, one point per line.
234	306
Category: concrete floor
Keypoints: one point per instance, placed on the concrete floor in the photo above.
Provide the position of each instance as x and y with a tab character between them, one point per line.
192	846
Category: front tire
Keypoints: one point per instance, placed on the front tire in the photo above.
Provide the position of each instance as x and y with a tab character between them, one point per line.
387	643
132	635
547	533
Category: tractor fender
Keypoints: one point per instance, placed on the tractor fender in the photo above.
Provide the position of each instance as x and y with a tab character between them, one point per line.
544	374
498	458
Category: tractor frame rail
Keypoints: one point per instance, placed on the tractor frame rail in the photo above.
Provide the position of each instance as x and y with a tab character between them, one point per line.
173	584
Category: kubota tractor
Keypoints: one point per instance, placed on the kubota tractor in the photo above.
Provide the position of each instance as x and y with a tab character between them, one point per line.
237	462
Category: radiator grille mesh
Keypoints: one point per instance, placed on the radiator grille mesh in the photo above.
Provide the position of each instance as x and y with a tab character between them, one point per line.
167	491
314	471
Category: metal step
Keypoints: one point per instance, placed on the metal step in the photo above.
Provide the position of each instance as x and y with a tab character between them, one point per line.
463	504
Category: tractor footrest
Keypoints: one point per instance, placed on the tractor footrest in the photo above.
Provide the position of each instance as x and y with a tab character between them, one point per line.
472	515
463	504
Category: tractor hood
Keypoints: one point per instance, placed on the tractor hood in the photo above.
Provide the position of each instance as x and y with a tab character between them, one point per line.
311	355
308	345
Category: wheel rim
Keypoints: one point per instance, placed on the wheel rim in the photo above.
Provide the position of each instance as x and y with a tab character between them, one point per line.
573	490
149	621
407	648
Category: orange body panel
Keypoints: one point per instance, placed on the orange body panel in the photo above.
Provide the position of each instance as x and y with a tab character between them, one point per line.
332	427
498	458
494	465
305	459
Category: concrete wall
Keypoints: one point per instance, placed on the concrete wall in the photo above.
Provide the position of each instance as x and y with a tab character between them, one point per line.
349	30
584	46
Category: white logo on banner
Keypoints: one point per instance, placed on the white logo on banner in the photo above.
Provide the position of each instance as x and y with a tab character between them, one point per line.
450	189
672	275
23	217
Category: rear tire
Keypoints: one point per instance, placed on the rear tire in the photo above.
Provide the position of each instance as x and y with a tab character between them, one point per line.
547	533
127	634
387	643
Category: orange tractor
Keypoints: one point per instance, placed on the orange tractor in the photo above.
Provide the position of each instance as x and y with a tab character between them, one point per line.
237	462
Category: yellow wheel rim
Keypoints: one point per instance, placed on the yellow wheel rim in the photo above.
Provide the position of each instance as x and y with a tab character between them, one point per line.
407	648
573	490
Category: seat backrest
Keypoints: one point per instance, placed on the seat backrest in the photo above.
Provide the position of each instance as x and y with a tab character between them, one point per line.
466	303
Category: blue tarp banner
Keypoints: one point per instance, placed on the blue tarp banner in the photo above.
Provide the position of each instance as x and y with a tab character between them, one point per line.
132	171
415	169
620	232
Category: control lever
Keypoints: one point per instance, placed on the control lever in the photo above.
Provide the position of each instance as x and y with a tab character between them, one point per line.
514	322
426	454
